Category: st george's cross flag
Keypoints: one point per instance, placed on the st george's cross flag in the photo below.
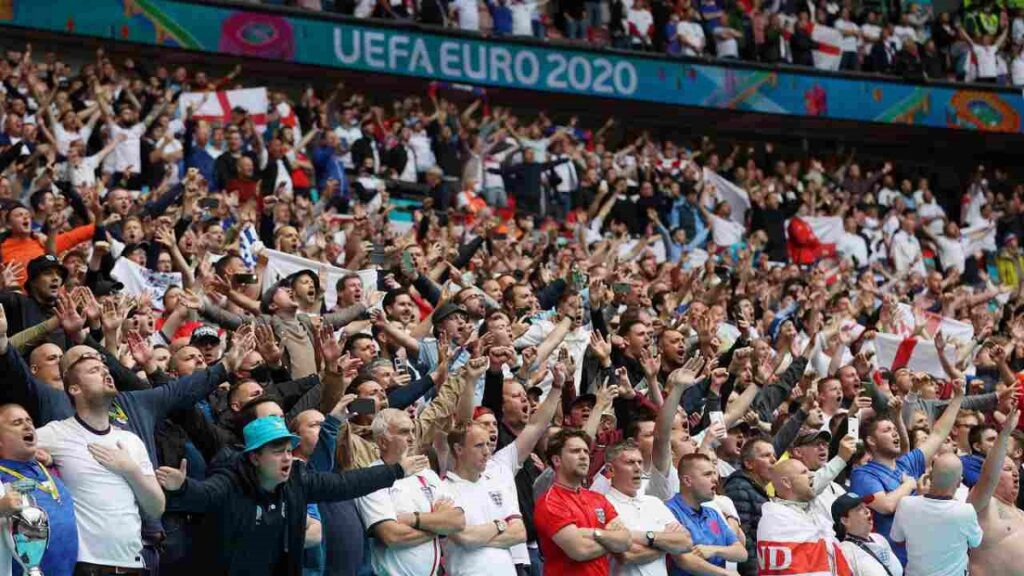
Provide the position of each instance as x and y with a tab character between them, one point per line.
809	238
729	192
916	354
216	107
827	47
954	330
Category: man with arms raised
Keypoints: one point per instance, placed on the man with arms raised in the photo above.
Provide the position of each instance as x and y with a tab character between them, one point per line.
891	475
1002	523
654	530
791	537
577	528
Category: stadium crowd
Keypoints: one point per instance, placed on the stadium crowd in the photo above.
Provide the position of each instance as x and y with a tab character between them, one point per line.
978	41
227	347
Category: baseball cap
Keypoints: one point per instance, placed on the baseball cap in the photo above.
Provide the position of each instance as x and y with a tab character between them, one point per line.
263	431
76	354
268	296
808	436
106	287
43	263
204	333
293	277
445	310
842	506
584	399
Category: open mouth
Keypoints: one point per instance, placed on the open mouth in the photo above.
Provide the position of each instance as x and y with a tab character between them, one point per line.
29	438
285	470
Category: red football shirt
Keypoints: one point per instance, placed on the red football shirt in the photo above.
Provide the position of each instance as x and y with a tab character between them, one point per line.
560	507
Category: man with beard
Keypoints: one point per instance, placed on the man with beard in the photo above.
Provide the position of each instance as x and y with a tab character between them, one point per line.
578	529
46	277
891	475
398	305
255	512
306	289
1002	523
107	469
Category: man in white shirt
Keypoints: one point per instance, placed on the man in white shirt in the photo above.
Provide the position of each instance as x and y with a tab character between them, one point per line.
489	502
406	520
468	14
905	249
128	132
107	470
654	529
692	40
868	553
850	40
853	245
937	529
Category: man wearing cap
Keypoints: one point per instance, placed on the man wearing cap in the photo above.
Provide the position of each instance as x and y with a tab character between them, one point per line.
206	339
791	538
46	276
866	552
293	328
305	286
23	246
255	512
811	448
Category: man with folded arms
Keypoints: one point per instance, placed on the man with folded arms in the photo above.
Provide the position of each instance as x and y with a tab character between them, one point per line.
653	529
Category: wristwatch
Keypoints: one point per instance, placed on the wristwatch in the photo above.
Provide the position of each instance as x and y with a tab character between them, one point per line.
597	533
501	525
650	539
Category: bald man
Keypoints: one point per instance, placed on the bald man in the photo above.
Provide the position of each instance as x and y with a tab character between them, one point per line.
1002	523
937	529
790	536
44	363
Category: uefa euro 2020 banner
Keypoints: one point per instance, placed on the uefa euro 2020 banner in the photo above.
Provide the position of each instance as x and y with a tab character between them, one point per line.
349	44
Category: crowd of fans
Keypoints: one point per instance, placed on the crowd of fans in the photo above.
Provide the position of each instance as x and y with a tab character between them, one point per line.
579	357
976	42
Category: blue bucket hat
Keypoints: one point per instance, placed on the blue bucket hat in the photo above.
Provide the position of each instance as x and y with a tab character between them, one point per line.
263	431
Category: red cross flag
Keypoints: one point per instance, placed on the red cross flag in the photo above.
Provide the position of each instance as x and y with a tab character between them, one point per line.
827	51
216	107
894	352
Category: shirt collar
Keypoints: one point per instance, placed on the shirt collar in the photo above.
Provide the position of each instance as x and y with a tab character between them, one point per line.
615	494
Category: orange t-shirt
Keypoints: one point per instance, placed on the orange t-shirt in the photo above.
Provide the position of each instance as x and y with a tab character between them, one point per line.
27	248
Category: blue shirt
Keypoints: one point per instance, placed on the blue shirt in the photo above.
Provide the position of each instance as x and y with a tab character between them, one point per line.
327	165
706	527
62	550
873	478
972	469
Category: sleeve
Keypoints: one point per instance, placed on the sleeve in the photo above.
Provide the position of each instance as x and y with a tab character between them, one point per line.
43	403
405	396
335	486
728	536
376	508
139	454
534	335
897	532
864	483
200	495
609	511
74	237
183	393
913	463
551	516
344	316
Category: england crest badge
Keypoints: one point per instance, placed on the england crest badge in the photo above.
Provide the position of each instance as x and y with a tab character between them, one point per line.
600	514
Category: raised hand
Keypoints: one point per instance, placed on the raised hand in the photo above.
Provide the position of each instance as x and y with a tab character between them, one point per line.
240	348
267	345
70	320
111	317
415	464
140	349
602	348
330	348
9	275
341	408
687	375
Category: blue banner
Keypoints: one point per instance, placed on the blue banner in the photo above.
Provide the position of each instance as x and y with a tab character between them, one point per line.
405	51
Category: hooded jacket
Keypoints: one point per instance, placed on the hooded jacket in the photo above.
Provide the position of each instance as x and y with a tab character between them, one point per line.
247	530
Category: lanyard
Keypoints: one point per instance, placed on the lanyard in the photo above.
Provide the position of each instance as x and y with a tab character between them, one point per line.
50	487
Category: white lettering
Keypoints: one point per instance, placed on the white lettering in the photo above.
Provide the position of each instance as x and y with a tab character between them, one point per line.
580	73
374	49
501	62
397	46
339	49
450	59
480	72
774	557
625	78
527	67
420	57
